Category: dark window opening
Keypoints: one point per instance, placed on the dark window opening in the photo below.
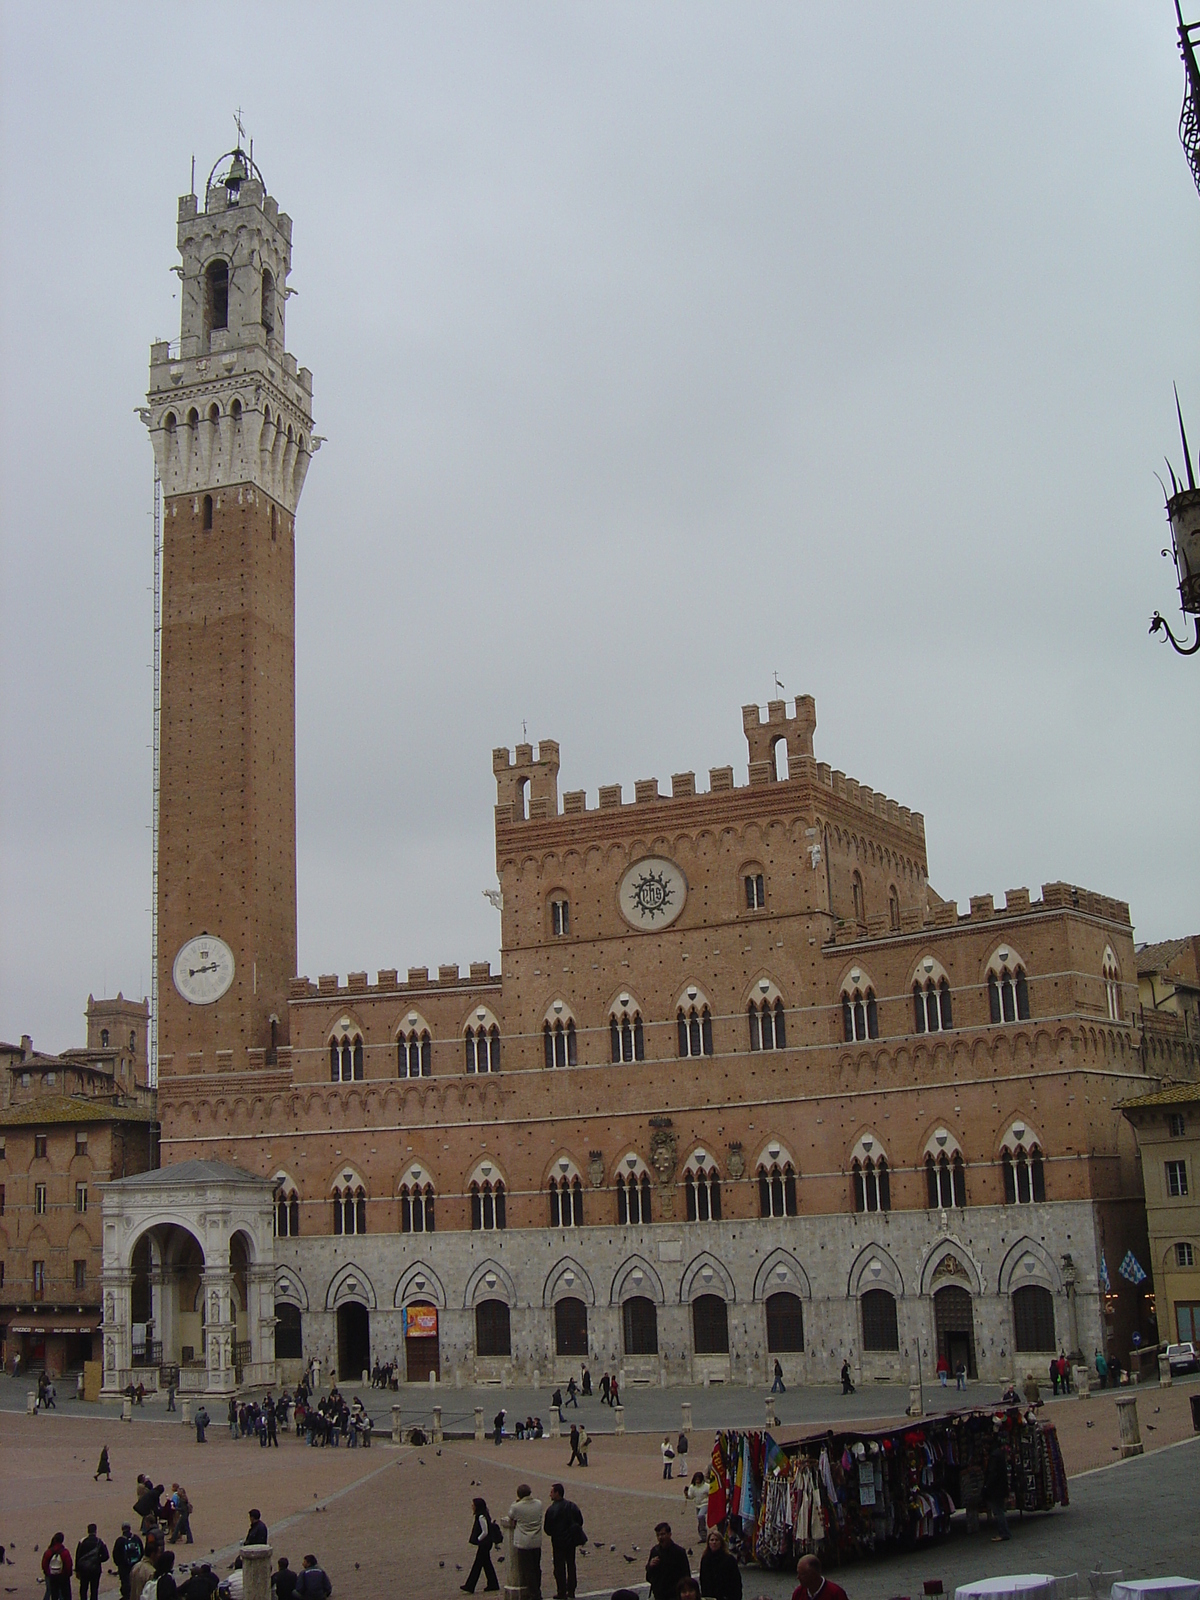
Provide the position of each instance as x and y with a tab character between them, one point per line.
560	1047
1033	1318
268	301
880	1329
785	1324
710	1325
570	1327
217	280
493	1330
756	891
639	1323
872	1185
777	1191
208	513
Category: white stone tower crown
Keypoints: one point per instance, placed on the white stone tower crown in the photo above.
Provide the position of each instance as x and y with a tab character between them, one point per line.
227	405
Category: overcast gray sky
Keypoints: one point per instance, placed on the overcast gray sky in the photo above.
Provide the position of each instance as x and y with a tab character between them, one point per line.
659	348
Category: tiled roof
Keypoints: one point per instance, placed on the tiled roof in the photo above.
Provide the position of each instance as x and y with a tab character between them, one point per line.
1158	957
59	1108
1179	1094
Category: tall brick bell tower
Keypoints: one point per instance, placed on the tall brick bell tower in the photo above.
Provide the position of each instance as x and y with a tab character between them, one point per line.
230	420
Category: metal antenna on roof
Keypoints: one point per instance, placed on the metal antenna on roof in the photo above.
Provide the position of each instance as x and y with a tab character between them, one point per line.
193	188
237	119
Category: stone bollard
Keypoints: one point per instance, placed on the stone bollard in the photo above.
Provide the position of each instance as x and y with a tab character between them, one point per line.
537	1378
620	1415
1082	1379
513	1588
397	1426
185	1409
770	1420
31	1401
1165	1380
555	1423
256	1571
437	1424
127	1409
1131	1433
685	1415
479	1424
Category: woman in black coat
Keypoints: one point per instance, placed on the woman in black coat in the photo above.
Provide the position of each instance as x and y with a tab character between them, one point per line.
482	1528
720	1575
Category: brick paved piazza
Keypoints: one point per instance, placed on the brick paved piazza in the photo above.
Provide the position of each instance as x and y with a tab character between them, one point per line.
394	1522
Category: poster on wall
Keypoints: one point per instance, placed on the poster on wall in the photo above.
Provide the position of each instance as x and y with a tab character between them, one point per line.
420	1322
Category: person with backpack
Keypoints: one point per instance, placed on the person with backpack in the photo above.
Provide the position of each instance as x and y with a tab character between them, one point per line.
90	1555
182	1526
313	1583
143	1572
127	1552
485	1535
163	1586
56	1569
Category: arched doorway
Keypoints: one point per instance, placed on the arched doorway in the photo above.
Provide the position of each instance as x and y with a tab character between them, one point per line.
289	1334
639	1321
570	1327
954	1323
422	1352
710	1325
353	1340
167	1308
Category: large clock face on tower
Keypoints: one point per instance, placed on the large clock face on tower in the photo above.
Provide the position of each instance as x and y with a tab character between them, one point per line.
203	969
653	893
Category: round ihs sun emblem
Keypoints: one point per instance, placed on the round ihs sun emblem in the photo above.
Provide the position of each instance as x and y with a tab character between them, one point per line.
652	893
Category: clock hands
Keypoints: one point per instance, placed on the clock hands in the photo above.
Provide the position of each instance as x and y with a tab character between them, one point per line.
194	972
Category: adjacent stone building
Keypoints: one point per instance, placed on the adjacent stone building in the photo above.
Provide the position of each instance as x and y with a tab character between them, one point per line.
744	1087
1168	1131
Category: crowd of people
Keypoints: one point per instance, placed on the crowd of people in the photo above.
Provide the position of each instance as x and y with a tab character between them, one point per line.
146	1568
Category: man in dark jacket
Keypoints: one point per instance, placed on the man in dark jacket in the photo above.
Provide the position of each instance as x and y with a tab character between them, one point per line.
312	1584
283	1581
667	1564
202	1584
257	1532
563	1525
90	1555
127	1552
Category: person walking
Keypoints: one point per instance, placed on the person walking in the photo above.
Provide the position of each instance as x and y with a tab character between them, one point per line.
102	1468
1054	1373
127	1552
614	1392
484	1536
313	1582
257	1531
587	1383
90	1555
667	1566
847	1381
233	1418
202	1420
777	1387
526	1514
814	1583
498	1424
575	1455
960	1375
272	1423
995	1491
696	1494
556	1400
585	1439
171	1396
183	1515
1102	1369
56	1569
668	1456
943	1368
572	1392
681	1454
720	1575
604	1388
563	1525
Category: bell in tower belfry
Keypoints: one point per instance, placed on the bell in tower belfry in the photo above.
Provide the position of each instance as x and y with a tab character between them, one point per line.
230	419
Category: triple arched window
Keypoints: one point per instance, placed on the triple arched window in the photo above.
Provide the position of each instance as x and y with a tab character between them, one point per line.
1008	995
627	1037
702	1188
287	1213
414	1054
483	1048
349	1209
346	1059
768	1031
931	1006
860	1015
487	1206
416	1207
558	1039
566	1202
946	1180
777	1190
871	1183
633	1198
695	1031
1024	1175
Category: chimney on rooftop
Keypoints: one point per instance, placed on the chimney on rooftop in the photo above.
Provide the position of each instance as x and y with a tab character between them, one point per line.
26	1047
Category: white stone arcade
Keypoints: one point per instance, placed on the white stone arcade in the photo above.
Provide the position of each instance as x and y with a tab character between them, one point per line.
187	1278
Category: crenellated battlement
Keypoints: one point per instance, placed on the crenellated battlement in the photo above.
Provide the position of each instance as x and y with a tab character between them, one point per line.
388	982
527	789
983	908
